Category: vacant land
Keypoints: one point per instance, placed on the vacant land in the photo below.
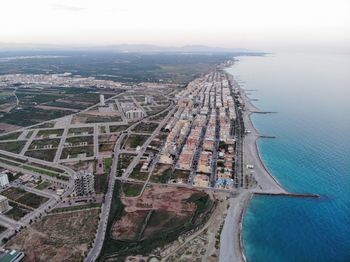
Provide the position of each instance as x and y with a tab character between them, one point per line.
45	154
145	127
24	198
14	147
81	131
58	237
132	189
124	161
74	152
79	140
50	133
138	174
161	174
44	144
117	128
135	140
17	211
154	219
11	136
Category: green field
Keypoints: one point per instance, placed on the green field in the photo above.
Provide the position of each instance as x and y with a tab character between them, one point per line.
14	147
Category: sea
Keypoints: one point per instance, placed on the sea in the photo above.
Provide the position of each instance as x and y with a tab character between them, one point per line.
311	154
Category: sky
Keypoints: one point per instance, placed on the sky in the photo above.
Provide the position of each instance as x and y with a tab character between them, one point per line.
254	24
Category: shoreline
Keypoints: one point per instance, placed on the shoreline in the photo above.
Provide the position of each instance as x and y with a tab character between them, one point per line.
266	184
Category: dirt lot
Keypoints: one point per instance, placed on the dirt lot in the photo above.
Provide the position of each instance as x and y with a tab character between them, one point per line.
58	237
159	211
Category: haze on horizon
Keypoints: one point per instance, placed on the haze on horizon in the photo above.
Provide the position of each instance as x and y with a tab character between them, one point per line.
269	24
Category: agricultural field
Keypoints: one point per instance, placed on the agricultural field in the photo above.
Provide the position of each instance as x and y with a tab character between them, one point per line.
65	236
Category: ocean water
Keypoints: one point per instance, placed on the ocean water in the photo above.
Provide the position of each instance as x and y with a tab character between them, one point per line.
311	154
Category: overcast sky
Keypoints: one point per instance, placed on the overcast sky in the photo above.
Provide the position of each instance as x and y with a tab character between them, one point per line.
256	24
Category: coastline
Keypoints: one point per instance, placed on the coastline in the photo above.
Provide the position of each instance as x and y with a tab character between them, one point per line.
232	245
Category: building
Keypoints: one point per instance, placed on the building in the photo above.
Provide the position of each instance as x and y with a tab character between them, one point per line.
4	181
102	100
11	256
84	183
135	114
148	100
4	204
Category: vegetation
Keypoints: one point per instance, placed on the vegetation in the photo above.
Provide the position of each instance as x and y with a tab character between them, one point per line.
134	141
117	128
49	132
132	189
145	127
81	131
11	136
17	212
74	152
14	147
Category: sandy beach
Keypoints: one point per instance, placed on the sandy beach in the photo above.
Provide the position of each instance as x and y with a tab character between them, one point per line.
231	240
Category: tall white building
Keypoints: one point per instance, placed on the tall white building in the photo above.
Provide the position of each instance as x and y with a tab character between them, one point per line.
84	183
148	100
134	114
4	181
102	100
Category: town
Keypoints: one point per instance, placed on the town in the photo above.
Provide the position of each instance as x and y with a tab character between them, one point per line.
143	137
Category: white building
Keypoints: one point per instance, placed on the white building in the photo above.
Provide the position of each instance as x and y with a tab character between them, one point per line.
84	183
148	100
4	204
4	181
102	100
135	114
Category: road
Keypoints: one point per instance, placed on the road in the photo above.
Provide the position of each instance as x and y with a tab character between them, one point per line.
145	145
100	236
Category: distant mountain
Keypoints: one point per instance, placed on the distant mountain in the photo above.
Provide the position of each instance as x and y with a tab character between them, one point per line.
132	48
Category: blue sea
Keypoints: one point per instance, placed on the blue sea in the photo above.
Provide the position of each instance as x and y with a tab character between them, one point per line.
311	154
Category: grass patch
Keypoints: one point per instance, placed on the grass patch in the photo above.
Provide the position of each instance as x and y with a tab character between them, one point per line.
145	127
81	131
44	144
13	147
74	152
47	155
135	140
75	208
132	189
116	128
16	212
43	185
12	136
50	132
